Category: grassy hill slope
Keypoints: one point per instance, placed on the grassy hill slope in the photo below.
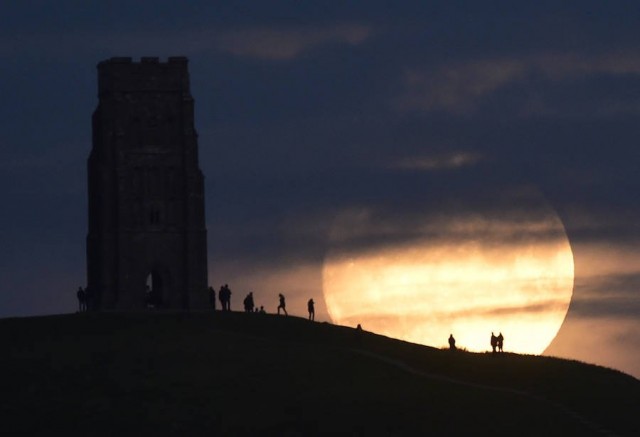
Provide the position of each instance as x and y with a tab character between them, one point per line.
252	374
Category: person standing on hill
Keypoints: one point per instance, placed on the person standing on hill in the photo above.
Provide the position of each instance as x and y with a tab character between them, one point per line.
311	308
282	305
221	298
82	301
452	342
251	303
248	303
499	340
228	296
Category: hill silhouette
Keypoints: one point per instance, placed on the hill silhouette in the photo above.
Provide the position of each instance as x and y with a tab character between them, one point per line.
261	374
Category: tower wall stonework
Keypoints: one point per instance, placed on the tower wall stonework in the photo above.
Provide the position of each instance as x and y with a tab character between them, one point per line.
146	190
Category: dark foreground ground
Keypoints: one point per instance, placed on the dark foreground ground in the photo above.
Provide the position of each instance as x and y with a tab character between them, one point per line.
252	374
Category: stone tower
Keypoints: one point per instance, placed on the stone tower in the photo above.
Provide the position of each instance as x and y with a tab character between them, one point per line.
147	241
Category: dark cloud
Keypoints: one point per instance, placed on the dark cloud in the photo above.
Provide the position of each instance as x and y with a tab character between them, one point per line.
607	296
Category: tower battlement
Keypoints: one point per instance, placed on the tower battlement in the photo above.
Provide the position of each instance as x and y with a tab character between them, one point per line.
145	60
123	74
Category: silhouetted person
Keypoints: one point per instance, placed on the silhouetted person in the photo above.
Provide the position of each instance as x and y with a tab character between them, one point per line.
148	297
311	308
452	342
212	298
82	300
248	303
499	340
494	342
262	311
282	305
228	296
224	295
221	298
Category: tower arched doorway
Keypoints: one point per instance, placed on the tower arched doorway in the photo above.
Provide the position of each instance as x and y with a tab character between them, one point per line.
153	290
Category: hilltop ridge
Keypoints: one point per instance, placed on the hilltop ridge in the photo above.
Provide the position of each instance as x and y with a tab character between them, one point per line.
262	374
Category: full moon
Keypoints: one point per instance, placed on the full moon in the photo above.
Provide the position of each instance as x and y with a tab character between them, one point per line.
467	275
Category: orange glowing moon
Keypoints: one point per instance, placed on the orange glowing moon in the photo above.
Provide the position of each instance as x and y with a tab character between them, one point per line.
480	274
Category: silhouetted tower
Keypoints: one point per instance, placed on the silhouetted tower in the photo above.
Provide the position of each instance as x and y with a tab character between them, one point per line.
147	241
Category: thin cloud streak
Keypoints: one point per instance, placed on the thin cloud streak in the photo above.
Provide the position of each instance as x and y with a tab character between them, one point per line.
448	161
285	44
280	43
467	313
456	88
459	87
365	229
607	295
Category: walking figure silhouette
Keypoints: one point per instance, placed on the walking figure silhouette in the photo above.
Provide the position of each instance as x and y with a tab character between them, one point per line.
282	305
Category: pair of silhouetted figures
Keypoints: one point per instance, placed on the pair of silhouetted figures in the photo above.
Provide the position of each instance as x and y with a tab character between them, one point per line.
224	295
496	342
283	306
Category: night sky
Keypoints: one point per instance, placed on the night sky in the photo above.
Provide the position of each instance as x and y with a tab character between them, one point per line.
306	110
